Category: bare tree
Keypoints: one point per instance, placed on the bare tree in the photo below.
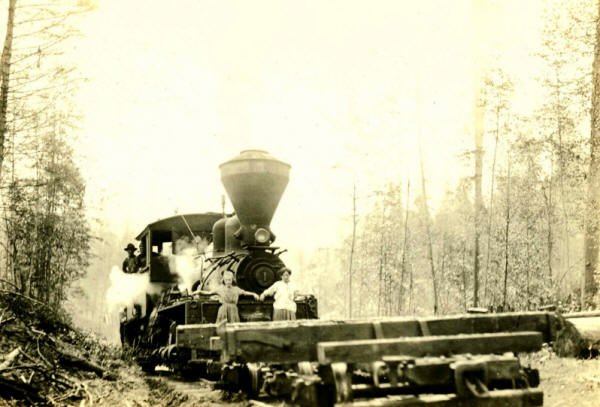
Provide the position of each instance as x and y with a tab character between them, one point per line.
427	222
498	88
404	251
506	236
5	68
478	195
592	230
478	121
352	243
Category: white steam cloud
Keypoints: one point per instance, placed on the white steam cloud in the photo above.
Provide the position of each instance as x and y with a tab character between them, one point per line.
126	289
187	263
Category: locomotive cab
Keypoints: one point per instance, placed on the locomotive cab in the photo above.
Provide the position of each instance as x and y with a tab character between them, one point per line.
164	239
159	243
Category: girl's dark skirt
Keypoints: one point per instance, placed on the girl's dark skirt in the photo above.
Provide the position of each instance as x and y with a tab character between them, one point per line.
228	313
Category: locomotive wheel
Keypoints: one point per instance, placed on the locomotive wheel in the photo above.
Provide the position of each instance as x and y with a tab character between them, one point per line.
147	367
343	382
337	383
213	370
377	371
252	382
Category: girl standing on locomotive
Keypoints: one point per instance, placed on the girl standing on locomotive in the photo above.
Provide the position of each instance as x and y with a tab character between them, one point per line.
284	291
228	297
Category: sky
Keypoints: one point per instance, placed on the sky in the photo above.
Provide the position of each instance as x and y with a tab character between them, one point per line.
341	90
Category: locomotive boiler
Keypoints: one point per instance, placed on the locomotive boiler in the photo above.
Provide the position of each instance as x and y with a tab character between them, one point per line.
242	243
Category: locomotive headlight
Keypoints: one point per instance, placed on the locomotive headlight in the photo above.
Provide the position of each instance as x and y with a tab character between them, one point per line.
262	235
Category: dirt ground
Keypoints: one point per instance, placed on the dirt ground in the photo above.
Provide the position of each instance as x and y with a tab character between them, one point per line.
565	382
135	389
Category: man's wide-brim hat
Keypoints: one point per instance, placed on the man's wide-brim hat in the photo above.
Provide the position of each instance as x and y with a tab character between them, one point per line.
130	246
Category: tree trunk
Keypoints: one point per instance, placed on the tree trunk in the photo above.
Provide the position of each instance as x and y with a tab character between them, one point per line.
478	116
464	276
410	291
364	290
381	280
5	61
352	250
478	192
491	209
404	247
591	231
428	231
506	242
527	266
549	235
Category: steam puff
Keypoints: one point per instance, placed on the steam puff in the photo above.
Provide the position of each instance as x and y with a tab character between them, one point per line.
126	289
187	263
187	268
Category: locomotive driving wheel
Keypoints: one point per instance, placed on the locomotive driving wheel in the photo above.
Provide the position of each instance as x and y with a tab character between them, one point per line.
253	380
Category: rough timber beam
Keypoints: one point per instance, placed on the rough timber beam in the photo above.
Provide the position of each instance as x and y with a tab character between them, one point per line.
476	344
295	341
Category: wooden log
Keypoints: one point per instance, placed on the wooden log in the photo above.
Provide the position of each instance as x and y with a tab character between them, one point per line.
6	321
70	359
478	310
256	342
375	349
257	403
581	314
10	358
13	389
579	336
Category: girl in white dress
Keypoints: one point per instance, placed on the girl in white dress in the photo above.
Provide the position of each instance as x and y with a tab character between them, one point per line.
284	292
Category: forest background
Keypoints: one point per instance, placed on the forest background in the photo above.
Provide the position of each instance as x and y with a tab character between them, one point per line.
394	221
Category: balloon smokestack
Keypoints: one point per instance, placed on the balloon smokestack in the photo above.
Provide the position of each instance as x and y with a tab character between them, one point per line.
255	182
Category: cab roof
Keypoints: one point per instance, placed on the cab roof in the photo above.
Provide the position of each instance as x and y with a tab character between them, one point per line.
199	223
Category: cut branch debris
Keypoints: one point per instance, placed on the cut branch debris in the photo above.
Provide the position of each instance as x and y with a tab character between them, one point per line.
10	358
43	361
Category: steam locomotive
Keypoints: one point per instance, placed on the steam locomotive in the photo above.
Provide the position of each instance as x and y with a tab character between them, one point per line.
154	327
